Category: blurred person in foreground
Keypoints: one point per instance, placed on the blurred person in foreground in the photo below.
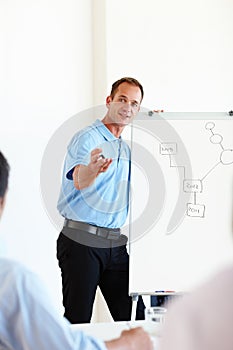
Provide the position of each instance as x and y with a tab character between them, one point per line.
203	319
29	321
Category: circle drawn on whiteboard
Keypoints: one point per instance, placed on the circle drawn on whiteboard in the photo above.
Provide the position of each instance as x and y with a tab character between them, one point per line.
209	126
226	157
216	138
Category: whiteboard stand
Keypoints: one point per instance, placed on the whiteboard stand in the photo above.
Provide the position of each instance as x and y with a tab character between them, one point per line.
134	305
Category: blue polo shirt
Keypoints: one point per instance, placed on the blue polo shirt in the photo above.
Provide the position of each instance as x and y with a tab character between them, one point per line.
105	203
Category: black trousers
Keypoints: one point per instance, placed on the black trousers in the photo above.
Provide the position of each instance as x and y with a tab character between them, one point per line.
84	267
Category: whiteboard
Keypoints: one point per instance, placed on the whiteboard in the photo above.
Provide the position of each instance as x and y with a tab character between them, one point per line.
181	199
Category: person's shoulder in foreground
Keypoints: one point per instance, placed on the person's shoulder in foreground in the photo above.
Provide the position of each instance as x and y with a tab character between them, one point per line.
28	319
202	319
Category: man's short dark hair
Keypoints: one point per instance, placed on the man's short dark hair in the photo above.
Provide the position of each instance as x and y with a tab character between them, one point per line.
4	174
128	80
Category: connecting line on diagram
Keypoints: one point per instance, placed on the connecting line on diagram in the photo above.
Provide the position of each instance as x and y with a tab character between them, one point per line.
195	186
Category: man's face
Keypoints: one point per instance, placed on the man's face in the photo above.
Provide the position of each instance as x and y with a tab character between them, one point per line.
125	104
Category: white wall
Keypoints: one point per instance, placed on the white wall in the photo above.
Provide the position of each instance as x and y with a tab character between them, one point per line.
47	77
180	50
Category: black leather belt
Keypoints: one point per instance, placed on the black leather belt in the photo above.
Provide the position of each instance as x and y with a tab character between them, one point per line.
108	233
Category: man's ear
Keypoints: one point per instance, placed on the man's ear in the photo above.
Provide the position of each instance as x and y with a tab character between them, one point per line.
108	101
2	204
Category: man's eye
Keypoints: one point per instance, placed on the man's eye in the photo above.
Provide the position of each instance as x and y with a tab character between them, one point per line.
135	104
123	100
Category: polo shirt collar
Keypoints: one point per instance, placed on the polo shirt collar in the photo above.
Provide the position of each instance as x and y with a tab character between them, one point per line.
105	131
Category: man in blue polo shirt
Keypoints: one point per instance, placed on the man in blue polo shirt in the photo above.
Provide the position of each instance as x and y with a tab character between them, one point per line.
94	201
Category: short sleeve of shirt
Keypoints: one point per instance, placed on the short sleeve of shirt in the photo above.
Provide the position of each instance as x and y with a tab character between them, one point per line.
78	152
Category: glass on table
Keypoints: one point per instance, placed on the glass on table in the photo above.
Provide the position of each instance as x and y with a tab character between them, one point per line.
155	314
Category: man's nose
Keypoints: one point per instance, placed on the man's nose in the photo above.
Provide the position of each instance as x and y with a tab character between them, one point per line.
127	106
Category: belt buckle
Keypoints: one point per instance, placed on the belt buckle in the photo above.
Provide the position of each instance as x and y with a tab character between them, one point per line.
100	232
112	235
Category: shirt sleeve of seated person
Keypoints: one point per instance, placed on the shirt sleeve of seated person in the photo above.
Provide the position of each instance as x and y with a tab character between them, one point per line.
28	319
202	320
